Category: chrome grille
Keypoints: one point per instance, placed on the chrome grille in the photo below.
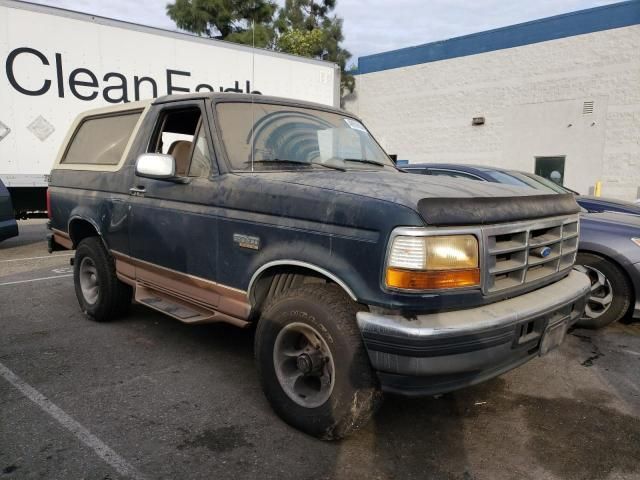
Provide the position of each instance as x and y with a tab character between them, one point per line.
524	253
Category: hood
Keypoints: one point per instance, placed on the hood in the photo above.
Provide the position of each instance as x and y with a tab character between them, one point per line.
397	187
439	200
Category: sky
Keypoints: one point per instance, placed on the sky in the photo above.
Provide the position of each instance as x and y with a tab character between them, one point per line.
373	26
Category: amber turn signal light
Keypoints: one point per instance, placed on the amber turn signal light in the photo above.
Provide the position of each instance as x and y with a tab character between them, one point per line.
432	280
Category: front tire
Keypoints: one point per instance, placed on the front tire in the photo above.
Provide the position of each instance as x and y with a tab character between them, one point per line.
100	294
610	296
312	363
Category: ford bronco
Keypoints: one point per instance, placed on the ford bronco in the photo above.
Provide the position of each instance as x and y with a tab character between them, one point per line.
288	216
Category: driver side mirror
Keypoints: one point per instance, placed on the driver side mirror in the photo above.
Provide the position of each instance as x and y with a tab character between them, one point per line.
156	165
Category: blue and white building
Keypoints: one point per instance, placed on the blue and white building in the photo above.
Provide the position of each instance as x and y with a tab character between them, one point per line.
560	93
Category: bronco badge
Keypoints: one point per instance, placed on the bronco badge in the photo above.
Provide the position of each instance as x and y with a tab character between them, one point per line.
246	241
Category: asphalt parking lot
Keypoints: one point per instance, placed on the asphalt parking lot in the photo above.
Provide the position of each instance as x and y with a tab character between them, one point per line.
149	397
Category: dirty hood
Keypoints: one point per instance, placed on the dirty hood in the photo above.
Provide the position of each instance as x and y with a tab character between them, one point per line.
440	200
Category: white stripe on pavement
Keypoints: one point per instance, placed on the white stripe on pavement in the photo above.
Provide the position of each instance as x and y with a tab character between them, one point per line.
85	436
37	258
35	279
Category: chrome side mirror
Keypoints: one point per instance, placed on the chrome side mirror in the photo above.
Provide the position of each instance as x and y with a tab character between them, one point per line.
156	165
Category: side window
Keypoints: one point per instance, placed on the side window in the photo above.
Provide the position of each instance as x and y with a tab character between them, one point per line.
101	140
180	133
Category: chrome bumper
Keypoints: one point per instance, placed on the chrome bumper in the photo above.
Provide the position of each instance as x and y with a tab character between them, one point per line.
439	352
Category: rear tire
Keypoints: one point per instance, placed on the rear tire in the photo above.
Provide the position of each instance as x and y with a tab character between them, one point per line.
100	294
610	297
312	363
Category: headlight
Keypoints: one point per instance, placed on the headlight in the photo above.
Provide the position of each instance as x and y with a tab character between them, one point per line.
636	241
433	262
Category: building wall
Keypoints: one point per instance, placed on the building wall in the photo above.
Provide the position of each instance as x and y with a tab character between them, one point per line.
532	98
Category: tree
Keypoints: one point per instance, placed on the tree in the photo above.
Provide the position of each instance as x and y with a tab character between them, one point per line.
226	19
305	27
305	43
301	27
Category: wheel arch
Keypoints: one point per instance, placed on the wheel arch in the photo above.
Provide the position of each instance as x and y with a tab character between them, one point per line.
80	227
619	266
278	275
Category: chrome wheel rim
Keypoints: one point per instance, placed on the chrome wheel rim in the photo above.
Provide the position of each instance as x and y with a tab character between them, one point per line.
601	296
304	365
89	283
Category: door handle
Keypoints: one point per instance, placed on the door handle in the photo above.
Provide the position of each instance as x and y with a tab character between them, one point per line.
139	191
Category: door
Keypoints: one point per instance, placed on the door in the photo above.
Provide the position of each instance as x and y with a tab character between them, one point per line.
551	168
173	227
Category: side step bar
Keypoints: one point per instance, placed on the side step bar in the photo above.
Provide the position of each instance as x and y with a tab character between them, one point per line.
180	309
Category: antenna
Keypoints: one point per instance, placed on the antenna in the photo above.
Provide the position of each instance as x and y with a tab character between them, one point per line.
253	65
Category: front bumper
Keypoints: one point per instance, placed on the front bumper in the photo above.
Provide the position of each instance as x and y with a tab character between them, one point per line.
440	352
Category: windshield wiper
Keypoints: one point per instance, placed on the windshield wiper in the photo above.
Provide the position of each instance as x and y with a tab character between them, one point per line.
298	162
364	160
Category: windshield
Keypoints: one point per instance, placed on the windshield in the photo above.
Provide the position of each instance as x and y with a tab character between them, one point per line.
547	183
291	138
524	180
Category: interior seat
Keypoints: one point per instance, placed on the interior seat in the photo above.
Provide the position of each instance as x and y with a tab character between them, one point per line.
181	151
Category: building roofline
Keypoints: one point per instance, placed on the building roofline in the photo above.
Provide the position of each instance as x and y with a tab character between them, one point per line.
591	20
88	17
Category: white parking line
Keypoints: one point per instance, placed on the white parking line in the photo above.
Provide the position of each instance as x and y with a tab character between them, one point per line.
85	436
36	258
35	280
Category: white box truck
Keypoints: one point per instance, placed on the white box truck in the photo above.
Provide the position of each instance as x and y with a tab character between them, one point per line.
58	63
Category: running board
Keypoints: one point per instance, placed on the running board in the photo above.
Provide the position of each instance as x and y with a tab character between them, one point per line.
179	309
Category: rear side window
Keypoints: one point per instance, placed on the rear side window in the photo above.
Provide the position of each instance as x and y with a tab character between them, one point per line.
101	140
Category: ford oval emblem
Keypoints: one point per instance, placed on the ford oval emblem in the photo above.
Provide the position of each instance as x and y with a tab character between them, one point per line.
542	252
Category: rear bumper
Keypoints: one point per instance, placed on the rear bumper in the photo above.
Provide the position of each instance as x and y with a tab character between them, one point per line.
440	352
8	229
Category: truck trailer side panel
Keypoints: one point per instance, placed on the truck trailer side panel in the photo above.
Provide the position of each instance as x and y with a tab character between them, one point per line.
58	63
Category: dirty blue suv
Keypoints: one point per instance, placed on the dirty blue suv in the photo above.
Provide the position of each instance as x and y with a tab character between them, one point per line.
289	218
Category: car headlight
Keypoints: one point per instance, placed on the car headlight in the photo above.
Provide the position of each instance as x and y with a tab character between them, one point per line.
636	241
433	262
